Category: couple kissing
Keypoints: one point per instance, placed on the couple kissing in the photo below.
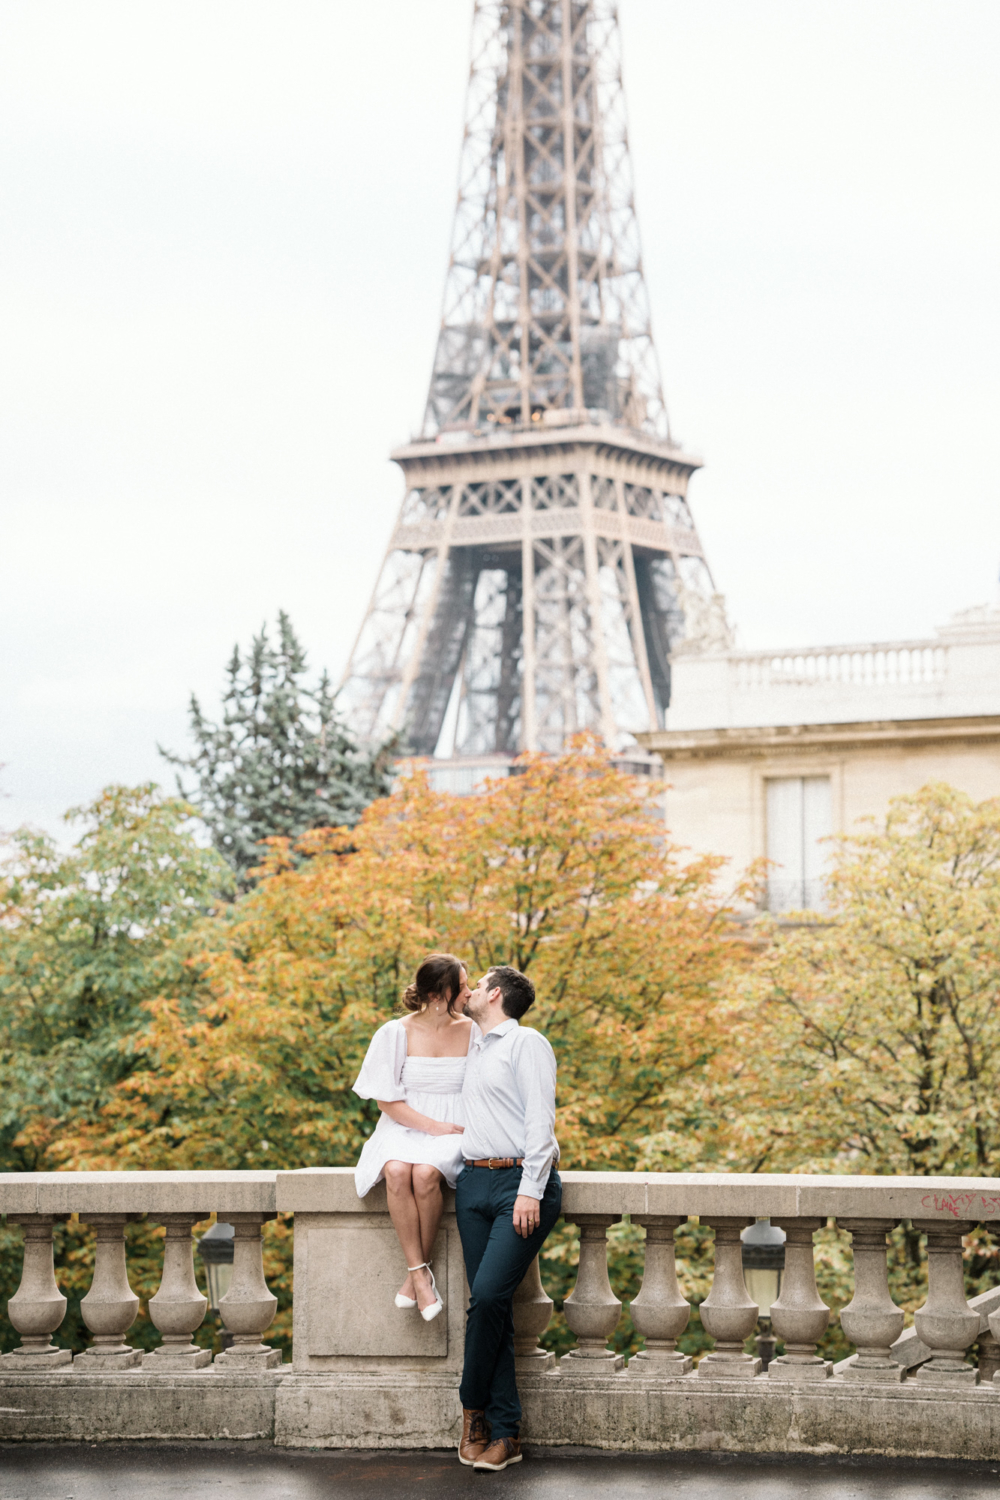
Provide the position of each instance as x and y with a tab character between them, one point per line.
467	1097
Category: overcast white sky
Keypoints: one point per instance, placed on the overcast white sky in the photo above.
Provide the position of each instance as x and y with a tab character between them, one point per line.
223	236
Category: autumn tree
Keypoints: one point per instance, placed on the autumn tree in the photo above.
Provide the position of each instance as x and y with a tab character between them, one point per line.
280	760
561	869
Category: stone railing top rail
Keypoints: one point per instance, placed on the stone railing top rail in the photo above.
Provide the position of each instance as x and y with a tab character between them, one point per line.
137	1192
856	648
733	1194
331	1190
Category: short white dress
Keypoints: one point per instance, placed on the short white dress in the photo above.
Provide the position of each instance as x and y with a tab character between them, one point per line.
432	1085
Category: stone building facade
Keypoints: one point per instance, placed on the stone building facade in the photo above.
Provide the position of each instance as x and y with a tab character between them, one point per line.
767	753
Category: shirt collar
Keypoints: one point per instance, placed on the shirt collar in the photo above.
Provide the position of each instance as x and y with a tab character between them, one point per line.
501	1030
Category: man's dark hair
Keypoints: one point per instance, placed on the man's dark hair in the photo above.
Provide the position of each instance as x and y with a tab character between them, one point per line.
516	988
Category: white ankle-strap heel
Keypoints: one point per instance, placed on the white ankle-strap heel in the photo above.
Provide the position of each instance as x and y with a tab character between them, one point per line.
402	1301
428	1313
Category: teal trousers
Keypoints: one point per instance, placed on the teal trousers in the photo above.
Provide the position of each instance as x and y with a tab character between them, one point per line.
496	1259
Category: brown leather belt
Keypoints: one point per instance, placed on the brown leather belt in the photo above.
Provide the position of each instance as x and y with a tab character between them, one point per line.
494	1162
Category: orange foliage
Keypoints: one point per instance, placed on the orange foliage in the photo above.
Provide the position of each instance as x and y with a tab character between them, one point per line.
561	869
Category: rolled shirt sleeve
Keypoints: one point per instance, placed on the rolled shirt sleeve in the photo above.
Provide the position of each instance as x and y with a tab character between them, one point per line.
381	1075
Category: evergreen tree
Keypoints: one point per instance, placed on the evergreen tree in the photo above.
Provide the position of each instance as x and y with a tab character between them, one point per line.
87	940
281	761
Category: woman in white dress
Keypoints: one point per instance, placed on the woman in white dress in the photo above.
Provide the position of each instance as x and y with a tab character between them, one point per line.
414	1069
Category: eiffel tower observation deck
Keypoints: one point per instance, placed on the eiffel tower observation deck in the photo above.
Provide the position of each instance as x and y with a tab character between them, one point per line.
545	560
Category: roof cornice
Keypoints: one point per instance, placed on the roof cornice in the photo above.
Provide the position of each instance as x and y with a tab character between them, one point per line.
791	739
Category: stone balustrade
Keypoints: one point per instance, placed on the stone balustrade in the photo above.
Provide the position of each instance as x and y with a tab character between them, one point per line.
886	662
365	1374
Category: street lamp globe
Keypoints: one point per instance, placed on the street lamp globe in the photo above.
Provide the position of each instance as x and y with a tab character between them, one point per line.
216	1250
763	1263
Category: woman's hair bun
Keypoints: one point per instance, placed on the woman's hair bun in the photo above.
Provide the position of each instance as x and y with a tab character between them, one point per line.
439	974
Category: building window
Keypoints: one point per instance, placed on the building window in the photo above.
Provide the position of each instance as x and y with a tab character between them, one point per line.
798	816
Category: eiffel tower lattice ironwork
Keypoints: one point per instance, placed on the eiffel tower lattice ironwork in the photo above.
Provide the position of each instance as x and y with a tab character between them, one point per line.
544	557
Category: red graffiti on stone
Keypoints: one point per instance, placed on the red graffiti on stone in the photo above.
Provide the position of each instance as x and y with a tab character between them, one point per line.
963	1205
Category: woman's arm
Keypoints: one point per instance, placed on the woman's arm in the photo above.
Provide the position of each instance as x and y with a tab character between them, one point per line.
405	1114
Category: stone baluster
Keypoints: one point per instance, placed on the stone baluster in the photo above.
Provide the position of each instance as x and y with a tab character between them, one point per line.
592	1309
660	1313
871	1320
728	1313
799	1316
248	1307
109	1308
989	1356
532	1311
178	1308
946	1323
38	1306
994	1323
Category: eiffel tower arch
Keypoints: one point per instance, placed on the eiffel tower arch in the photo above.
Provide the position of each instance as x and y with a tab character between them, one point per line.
538	573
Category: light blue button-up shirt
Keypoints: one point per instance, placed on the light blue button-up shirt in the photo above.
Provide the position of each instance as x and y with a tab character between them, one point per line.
509	1102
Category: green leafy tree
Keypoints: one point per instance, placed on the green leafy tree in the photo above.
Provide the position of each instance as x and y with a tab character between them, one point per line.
879	1024
281	761
86	939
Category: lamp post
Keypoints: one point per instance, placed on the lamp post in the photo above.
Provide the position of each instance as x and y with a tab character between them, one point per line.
216	1250
763	1263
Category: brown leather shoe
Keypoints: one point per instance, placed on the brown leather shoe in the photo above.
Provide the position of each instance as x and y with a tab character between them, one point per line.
499	1454
475	1437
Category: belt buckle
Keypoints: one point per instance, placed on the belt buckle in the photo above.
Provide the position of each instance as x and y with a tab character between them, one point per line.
495	1162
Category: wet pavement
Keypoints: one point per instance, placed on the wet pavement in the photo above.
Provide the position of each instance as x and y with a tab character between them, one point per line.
258	1471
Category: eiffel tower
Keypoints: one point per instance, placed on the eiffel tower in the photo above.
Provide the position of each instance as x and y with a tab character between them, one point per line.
544	557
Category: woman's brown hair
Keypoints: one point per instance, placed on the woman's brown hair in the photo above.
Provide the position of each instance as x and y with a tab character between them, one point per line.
439	974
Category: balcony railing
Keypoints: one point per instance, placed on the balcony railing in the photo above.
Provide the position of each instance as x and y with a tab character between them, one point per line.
877	665
364	1374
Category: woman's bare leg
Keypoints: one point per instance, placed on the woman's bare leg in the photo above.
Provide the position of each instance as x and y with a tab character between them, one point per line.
428	1191
405	1216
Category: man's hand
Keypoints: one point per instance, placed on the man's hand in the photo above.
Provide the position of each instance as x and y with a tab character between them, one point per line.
527	1214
